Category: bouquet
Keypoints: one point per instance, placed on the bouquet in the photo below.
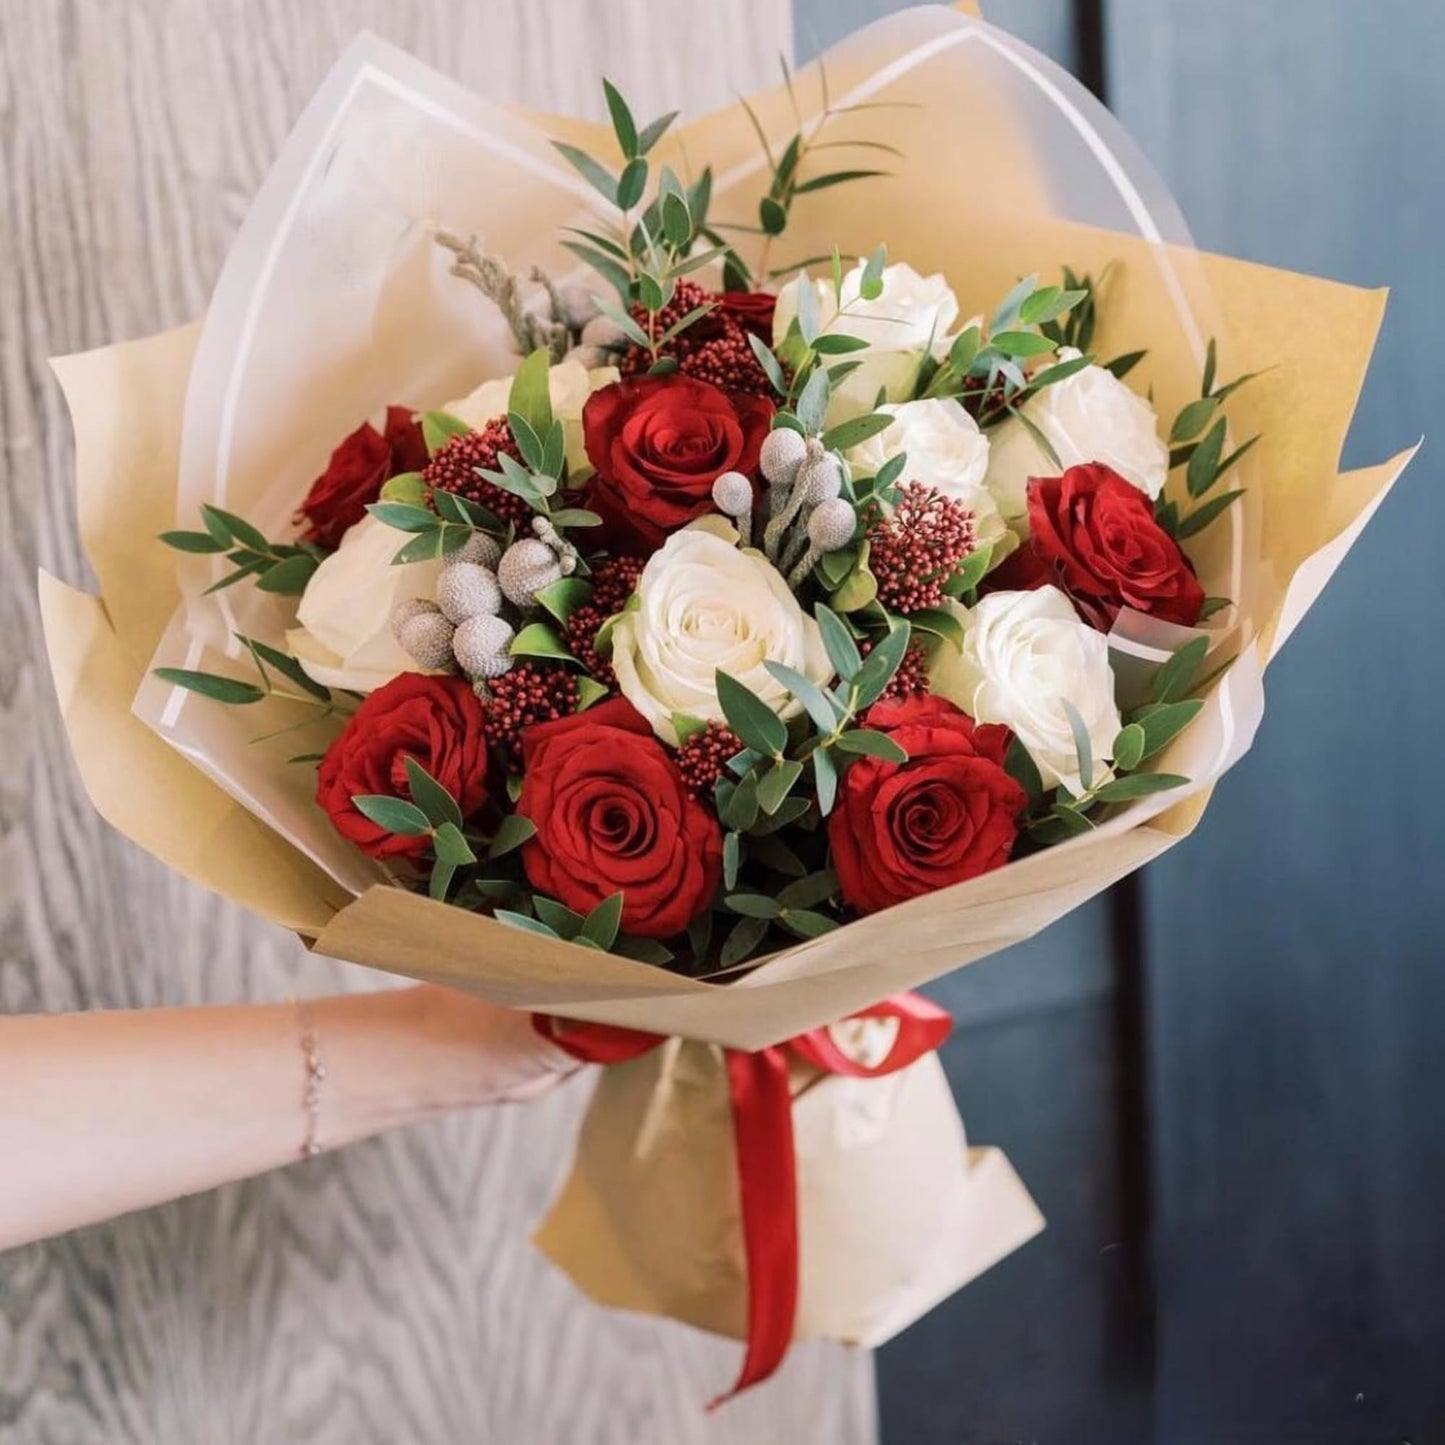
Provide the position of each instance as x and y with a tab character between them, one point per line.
703	582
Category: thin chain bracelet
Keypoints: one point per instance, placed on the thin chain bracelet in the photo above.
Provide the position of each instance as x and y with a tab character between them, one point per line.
315	1077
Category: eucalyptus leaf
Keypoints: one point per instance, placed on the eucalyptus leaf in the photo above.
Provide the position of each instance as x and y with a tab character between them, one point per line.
211	685
750	717
396	815
838	641
866	741
451	847
431	797
1082	746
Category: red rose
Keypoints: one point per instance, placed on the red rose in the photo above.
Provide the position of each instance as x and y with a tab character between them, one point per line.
753	310
949	813
1097	537
435	720
356	473
658	444
613	813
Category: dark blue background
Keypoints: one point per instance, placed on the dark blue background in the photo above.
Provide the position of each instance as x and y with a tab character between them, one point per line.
1224	1088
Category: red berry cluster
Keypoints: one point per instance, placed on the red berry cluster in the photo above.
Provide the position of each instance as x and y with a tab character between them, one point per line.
455	469
911	679
916	548
613	582
703	757
714	349
532	692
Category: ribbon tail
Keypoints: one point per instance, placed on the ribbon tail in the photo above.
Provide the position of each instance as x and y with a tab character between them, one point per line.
762	1104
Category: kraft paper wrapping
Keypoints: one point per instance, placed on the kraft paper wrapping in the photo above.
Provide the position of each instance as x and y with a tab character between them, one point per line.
895	1213
335	301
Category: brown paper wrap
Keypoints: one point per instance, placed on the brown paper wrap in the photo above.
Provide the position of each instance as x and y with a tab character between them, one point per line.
261	411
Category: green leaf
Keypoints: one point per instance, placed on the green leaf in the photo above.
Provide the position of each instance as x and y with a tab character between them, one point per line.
625	322
814	700
676	221
396	815
870	285
615	275
404	517
1128	749
602	923
806	924
789	812
835	178
732	859
563	921
1020	344
1082	746
938	622
643	950
974	568
450	846
538	639
439	427
597	176
1211	362
838	641
1121	366
772	217
769	364
1213	605
197	542
747	934
631	183
575	517
512	832
750	717
1061	822
1204	462
833	343
440	881
740	811
825	775
406	487
812	406
753	905
1193	419
212	685
688	726
1163	722
1020	766
530	397
808	892
1060	371
1202	516
1049	303
264	655
622	121
227	526
880	665
564	596
1138	785
589	691
1008	309
653	133
856	430
520	920
872	744
424	547
777	783
1176	677
431	797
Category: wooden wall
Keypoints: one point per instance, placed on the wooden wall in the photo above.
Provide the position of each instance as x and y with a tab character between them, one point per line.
387	1294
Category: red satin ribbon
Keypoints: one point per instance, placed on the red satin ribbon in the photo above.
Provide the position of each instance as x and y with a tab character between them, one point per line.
762	1107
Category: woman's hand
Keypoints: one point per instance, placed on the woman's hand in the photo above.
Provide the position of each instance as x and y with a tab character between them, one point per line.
105	1112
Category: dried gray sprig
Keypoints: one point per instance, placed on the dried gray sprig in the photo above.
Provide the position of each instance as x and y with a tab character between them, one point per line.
496	281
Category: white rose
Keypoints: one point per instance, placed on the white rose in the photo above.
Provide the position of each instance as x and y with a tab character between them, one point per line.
1023	653
343	637
1088	417
569	384
912	313
704	605
946	450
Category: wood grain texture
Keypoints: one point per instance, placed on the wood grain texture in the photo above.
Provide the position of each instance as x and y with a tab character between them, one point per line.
388	1293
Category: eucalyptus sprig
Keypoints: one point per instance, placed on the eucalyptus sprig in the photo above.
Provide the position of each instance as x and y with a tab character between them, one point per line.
281	568
1146	730
1197	441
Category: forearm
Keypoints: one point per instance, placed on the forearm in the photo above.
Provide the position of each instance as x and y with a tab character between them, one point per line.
102	1113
